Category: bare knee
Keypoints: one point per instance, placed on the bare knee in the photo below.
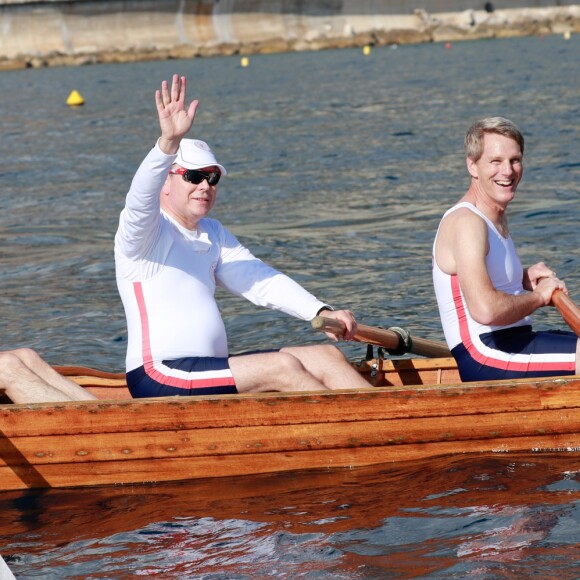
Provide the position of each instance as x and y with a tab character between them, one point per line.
333	352
322	352
280	371
19	361
294	374
10	360
287	364
28	356
329	365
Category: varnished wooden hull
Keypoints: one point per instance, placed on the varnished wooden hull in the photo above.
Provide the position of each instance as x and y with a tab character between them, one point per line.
427	413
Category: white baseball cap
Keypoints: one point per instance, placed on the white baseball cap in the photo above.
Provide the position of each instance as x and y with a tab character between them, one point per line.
196	154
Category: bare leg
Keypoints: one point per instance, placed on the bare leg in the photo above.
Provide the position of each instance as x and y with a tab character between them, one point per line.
27	378
272	371
328	365
301	368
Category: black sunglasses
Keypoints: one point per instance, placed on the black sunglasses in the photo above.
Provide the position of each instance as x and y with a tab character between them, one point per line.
196	176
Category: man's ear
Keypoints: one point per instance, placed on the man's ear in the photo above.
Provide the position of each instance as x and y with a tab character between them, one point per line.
165	188
472	168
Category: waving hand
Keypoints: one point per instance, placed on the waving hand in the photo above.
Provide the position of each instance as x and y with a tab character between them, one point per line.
174	119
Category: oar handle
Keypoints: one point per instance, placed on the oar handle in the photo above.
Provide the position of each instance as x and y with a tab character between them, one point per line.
387	338
396	341
567	309
327	325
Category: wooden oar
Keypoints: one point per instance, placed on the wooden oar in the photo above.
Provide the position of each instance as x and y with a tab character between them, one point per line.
567	309
86	376
396	340
68	371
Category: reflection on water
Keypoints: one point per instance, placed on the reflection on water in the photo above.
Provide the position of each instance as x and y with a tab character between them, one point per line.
483	517
340	167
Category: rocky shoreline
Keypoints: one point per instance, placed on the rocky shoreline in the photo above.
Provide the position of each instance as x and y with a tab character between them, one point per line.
64	38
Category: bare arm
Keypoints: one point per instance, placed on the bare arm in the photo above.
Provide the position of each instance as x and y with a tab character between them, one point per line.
468	243
139	221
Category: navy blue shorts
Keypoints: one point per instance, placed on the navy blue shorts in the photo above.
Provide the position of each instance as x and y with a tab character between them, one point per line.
517	352
184	377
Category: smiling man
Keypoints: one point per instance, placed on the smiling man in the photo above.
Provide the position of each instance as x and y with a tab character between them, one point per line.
170	257
485	297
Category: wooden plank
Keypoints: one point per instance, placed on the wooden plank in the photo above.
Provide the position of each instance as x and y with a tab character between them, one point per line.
74	449
180	413
176	469
399	372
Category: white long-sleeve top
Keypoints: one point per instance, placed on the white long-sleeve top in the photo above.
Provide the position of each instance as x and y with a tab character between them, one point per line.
167	276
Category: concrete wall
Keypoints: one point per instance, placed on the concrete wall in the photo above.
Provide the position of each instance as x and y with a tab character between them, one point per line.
66	32
320	7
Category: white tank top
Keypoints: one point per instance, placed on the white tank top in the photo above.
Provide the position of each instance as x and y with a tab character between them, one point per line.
506	274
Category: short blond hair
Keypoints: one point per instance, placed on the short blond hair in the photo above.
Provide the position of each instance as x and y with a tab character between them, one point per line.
499	125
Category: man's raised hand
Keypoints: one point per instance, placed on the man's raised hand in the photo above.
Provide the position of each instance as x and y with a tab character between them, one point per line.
174	119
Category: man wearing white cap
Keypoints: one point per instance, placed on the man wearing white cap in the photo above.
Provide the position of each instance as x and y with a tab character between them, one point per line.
170	257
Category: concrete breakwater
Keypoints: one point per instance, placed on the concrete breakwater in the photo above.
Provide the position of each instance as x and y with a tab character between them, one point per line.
76	32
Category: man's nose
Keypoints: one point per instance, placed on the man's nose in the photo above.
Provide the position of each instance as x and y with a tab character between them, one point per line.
507	168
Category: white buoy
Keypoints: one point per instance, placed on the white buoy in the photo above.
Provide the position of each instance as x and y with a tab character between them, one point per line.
366	49
245	61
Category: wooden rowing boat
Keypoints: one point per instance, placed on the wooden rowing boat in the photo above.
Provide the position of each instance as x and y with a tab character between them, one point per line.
413	408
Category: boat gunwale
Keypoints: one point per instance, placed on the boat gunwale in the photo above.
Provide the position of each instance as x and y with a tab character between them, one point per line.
563	380
278	409
468	386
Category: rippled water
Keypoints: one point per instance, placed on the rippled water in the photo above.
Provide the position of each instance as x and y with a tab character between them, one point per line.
340	167
484	518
